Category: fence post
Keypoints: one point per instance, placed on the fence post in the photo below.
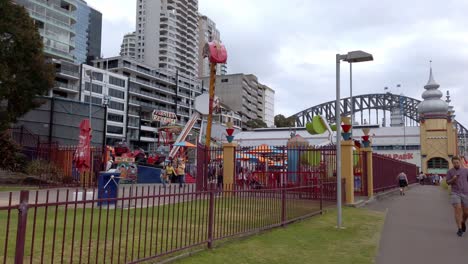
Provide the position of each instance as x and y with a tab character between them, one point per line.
283	206
21	231
320	182
211	218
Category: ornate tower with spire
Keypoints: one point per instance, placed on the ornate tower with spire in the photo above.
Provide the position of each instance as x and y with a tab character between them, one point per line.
438	135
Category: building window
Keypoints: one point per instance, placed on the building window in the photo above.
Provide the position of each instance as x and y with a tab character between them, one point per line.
437	163
116	105
94	100
113	64
96	88
224	80
98	76
116	93
114	130
115	118
116	81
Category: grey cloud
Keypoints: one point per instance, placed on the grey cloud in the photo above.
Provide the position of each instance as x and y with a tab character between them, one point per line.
402	35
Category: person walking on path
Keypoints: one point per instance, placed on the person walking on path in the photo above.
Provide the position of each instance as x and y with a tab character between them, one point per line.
402	182
457	178
220	178
170	172
181	173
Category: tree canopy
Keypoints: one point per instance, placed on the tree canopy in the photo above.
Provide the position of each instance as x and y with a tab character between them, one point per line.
256	123
24	73
282	121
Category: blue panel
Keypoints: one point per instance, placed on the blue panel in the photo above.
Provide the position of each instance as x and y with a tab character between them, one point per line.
111	187
148	175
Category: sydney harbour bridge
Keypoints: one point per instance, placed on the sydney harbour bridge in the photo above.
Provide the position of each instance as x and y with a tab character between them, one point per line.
368	107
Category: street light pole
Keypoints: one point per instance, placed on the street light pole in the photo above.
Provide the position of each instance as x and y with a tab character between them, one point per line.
90	74
351	92
351	57
338	143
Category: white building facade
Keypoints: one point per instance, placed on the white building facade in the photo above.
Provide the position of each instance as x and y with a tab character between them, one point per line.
128	46
107	89
269	106
167	35
151	89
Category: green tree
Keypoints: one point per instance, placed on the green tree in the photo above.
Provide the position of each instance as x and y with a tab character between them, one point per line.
24	73
282	121
256	123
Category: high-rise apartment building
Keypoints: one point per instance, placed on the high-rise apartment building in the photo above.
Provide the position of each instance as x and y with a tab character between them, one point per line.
128	46
151	89
71	32
55	21
88	29
207	32
243	94
167	35
269	106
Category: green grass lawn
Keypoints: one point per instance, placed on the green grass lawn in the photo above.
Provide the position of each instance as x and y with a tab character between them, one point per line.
137	233
315	240
12	188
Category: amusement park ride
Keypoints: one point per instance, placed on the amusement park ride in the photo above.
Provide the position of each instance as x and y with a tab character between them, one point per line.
171	135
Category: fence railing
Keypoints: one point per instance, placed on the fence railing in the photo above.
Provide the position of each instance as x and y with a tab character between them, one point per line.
52	164
386	170
143	223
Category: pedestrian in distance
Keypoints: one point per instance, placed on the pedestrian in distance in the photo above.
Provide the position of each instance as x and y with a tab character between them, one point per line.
180	170
170	172
421	178
164	178
402	182
220	178
457	178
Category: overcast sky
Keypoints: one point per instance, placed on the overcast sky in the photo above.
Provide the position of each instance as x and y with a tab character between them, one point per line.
291	45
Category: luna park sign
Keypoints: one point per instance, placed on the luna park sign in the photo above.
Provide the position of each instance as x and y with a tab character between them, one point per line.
407	156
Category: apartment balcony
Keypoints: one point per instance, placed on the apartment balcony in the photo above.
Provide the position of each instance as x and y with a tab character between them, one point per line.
153	96
184	104
69	13
73	88
150	105
42	16
68	74
133	125
148	139
154	74
148	128
153	86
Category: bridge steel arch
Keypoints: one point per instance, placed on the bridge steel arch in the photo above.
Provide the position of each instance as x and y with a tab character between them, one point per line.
384	102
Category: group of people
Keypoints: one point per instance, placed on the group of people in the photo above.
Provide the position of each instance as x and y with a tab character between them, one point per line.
457	178
173	173
433	179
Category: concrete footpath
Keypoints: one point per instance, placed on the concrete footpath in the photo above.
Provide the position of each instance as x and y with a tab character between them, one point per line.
420	228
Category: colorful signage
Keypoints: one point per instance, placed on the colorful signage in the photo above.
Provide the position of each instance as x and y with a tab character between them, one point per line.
164	117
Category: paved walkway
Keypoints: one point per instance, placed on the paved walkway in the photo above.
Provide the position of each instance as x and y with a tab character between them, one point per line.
419	228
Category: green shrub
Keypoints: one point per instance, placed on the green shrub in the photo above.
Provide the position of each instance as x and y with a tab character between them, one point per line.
11	157
43	169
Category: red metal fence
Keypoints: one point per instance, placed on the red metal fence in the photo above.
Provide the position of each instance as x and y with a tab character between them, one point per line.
52	164
146	222
273	167
386	170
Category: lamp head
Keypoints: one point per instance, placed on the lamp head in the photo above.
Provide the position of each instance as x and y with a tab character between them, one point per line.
358	56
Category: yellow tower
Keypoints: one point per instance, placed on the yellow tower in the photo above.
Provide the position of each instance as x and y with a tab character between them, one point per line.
438	133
